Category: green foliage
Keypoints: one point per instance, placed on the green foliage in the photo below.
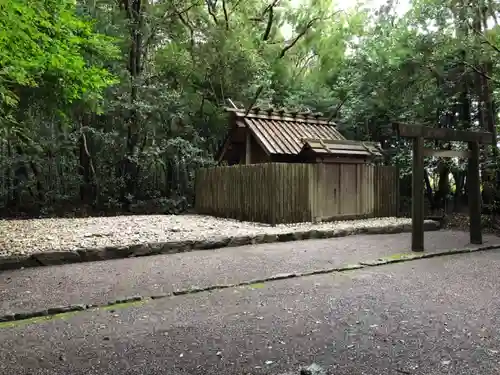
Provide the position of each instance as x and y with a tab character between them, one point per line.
43	46
116	104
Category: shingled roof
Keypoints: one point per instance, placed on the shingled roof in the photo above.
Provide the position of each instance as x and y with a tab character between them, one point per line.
281	132
343	147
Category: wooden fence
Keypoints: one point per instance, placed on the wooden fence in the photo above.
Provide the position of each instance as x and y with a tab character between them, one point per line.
286	193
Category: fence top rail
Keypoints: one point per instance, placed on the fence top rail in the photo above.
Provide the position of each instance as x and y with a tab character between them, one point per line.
256	165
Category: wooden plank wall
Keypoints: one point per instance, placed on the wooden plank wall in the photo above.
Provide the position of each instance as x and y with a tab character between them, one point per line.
268	192
386	191
286	193
343	191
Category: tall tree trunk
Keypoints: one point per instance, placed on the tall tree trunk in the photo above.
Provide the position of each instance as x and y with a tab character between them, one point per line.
428	189
459	177
464	101
22	173
86	168
135	15
490	173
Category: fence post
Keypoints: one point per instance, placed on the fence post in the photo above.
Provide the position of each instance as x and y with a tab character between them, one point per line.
272	193
417	208
398	193
312	190
474	191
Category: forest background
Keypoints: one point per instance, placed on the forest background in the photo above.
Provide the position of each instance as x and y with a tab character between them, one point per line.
110	106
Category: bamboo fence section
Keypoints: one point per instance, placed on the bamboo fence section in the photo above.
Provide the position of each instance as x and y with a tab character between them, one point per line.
278	193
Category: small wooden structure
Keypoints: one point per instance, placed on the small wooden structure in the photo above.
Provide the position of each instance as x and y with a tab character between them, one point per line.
286	167
289	137
418	134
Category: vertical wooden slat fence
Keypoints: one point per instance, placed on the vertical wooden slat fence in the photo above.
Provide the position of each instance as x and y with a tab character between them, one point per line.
386	191
286	193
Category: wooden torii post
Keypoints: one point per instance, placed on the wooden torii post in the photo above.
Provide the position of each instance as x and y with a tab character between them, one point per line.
418	133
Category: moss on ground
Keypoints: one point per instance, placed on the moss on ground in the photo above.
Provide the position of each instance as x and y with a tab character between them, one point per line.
257	285
66	315
401	256
123	305
38	319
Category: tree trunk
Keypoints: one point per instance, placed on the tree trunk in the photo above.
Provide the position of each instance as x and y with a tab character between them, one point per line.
86	169
428	190
459	177
135	14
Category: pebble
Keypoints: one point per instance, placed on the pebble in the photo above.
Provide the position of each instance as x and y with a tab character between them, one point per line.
25	237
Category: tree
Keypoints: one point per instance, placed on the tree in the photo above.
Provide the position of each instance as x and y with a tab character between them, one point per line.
44	72
177	63
43	45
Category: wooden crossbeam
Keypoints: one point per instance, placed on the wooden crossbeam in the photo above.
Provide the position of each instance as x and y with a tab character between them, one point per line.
442	134
446	153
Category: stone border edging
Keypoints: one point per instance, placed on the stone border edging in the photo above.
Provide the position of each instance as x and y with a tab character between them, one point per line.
53	258
414	256
52	312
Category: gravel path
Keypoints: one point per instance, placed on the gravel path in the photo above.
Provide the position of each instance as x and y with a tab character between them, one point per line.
435	316
24	237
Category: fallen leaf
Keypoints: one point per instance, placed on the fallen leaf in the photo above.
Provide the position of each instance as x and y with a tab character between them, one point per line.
257	285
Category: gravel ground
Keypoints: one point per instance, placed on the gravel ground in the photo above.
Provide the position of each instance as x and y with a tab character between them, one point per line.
22	237
428	317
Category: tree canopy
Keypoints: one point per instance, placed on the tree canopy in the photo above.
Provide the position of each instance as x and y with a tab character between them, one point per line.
44	45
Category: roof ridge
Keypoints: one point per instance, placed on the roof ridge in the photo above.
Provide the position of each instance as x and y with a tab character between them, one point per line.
283	113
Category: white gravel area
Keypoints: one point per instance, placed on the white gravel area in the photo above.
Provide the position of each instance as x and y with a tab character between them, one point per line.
22	237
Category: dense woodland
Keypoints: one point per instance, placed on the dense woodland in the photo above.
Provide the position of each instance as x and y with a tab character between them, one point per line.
112	105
